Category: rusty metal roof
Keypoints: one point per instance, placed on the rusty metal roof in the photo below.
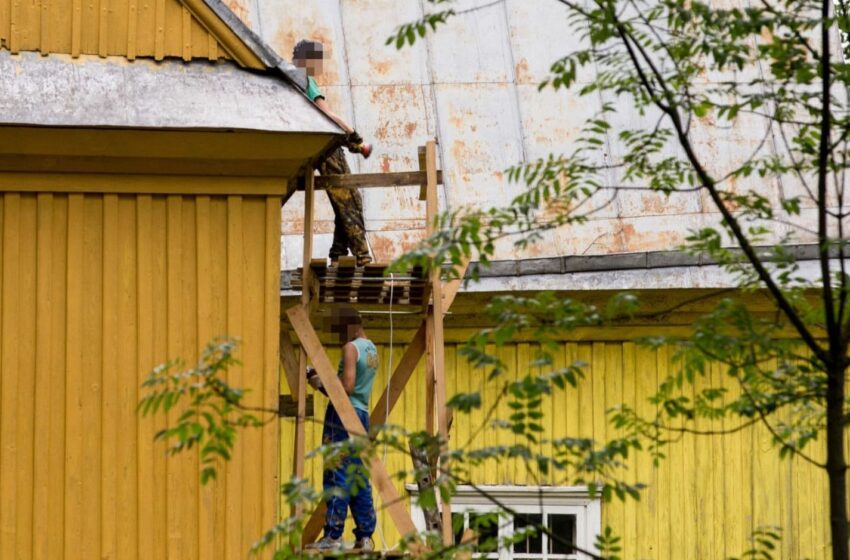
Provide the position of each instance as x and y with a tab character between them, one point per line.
474	85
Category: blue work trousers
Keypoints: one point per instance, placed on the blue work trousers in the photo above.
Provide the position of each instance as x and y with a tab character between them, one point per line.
342	478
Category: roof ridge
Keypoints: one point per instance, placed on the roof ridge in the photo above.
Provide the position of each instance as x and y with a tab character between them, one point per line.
250	39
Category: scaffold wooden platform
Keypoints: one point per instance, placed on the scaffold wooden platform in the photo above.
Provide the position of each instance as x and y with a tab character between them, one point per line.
346	283
372	285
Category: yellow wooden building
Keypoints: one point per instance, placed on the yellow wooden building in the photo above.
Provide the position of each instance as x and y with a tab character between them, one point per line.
702	502
144	151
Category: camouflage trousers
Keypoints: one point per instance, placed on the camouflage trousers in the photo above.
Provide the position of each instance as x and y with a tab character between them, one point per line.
347	204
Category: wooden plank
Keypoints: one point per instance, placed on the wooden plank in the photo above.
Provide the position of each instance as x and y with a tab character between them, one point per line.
189	462
374	180
55	457
254	218
132	26
719	514
612	396
145	359
159	30
204	328
288	359
235	327
666	527
647	385
431	205
343	285
555	427
159	280
76	27
630	507
44	25
314	524
423	187
74	382
371	290
218	326
176	469
127	491
452	287
430	378
312	346
25	332
92	348
300	382
103	29
15	17
186	34
111	377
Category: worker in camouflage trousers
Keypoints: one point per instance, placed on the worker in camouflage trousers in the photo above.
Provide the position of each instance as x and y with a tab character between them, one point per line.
347	204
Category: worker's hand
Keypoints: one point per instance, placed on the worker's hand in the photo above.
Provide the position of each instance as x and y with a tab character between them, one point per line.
314	380
353	138
355	144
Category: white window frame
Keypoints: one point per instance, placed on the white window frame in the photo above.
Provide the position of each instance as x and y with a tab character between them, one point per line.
570	500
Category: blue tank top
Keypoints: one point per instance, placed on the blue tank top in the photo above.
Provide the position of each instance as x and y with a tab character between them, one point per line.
367	367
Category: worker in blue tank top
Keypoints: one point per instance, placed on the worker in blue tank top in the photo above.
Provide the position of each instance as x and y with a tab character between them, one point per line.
356	370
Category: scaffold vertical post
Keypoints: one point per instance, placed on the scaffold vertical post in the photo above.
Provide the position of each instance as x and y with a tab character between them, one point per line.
301	388
437	341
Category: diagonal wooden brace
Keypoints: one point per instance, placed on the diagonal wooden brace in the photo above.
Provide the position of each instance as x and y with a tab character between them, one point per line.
287	359
300	321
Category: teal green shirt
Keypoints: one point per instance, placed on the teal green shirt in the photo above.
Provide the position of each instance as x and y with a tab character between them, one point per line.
313	91
367	367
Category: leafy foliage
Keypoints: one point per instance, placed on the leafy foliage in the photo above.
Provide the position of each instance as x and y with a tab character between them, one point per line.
211	411
765	541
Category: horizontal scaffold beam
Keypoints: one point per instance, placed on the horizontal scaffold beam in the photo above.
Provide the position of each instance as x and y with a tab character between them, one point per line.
373	180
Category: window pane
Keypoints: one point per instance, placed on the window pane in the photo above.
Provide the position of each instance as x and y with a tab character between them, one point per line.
486	527
533	543
563	527
457	526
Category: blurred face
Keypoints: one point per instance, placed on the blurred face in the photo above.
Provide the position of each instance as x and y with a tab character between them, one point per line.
314	66
340	327
312	61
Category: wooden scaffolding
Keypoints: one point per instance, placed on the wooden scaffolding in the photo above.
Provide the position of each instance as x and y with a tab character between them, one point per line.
369	286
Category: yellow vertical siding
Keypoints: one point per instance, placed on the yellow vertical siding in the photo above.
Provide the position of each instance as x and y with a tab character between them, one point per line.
94	291
153	29
702	502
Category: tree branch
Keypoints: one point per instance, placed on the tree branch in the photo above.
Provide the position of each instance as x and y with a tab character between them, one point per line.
728	217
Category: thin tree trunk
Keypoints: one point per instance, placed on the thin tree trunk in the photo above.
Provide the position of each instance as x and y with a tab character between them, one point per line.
836	465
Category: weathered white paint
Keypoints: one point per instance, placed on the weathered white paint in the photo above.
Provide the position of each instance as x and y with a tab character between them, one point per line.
112	92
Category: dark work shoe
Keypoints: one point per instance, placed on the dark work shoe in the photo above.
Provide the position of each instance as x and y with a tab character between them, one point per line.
364	544
363	260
